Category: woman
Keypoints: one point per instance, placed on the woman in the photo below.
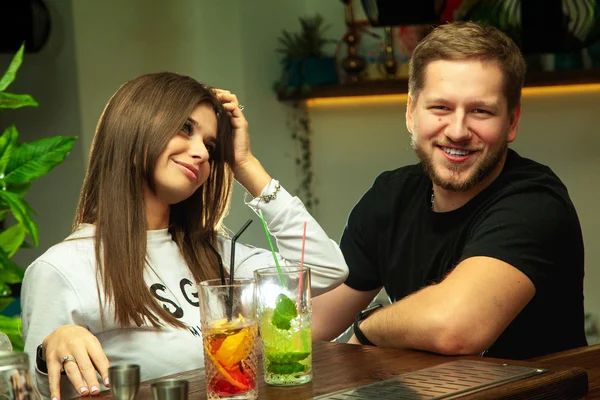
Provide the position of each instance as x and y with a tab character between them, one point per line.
121	288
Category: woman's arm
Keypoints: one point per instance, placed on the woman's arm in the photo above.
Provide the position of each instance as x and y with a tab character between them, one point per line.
53	316
285	216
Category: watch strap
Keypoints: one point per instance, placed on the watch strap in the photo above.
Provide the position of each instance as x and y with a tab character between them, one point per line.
361	316
360	335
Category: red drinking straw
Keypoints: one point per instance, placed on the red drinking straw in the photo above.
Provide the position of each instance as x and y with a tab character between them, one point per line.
301	267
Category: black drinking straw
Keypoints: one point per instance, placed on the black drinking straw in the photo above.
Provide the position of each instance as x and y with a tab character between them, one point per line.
219	260
231	265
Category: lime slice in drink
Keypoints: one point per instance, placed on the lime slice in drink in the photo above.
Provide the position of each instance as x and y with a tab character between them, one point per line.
288	357
286	369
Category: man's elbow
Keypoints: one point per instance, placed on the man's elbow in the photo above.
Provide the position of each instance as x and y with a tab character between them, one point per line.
452	340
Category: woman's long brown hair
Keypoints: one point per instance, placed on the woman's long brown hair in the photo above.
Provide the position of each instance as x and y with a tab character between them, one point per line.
136	125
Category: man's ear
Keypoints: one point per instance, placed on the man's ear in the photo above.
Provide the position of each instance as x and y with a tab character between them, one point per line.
515	117
409	116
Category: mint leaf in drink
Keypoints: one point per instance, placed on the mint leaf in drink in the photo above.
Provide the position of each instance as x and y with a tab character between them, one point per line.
286	369
285	311
286	358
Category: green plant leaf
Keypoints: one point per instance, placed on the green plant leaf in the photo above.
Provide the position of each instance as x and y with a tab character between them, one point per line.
11	239
11	72
22	213
12	326
20	189
5	302
9	271
8	142
11	100
34	159
26	245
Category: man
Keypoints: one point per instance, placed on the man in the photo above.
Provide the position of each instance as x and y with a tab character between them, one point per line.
479	249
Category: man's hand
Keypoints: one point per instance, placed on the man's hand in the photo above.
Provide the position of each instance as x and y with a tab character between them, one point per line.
334	311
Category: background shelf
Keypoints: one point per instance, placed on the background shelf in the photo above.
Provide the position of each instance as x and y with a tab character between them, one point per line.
400	86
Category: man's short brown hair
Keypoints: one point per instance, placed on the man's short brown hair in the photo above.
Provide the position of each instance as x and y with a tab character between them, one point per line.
469	41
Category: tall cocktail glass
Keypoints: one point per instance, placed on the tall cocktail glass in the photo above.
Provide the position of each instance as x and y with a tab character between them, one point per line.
284	315
230	338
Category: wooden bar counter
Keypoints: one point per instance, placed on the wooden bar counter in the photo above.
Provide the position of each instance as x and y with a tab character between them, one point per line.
339	366
587	358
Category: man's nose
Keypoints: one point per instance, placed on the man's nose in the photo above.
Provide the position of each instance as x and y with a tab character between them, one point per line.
458	129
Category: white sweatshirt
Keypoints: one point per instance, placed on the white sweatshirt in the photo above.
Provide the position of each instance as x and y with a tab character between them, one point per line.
60	288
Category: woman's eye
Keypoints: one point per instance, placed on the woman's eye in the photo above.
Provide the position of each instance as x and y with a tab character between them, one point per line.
187	128
210	148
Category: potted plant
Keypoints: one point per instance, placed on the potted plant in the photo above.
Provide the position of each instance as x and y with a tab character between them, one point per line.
20	164
303	58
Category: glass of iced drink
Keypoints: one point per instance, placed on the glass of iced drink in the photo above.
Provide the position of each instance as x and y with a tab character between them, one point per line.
230	338
284	313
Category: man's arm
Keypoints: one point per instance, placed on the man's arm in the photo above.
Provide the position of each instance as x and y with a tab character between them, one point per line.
463	314
334	311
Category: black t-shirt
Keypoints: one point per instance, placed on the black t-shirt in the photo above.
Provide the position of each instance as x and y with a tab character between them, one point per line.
524	218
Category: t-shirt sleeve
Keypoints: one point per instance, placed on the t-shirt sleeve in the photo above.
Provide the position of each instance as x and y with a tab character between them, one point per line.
360	246
48	301
534	232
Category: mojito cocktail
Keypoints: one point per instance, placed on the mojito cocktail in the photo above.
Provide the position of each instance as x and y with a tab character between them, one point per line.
285	325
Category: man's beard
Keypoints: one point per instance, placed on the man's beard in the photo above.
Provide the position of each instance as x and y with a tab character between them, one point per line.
482	169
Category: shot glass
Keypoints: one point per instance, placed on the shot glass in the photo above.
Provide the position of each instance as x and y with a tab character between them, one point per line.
284	313
230	338
170	389
124	381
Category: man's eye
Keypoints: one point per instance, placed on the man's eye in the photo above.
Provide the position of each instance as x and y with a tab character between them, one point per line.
187	128
480	111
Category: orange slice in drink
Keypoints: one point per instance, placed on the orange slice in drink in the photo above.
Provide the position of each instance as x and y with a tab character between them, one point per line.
224	372
234	348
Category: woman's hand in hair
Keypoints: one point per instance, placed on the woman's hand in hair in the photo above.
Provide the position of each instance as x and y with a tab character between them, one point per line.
238	123
79	343
247	169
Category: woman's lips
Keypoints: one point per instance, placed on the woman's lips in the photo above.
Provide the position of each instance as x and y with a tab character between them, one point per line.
190	170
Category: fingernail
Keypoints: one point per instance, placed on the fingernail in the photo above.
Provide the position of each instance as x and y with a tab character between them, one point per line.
83	390
94	389
54	398
106	382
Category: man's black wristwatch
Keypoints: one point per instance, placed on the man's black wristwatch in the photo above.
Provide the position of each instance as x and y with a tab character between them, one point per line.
360	317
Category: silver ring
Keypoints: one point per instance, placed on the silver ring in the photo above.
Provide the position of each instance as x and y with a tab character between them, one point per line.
241	106
66	359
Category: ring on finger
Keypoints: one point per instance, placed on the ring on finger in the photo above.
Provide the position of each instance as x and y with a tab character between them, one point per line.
66	359
241	107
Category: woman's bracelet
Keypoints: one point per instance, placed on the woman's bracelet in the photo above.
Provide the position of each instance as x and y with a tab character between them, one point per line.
265	197
272	196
